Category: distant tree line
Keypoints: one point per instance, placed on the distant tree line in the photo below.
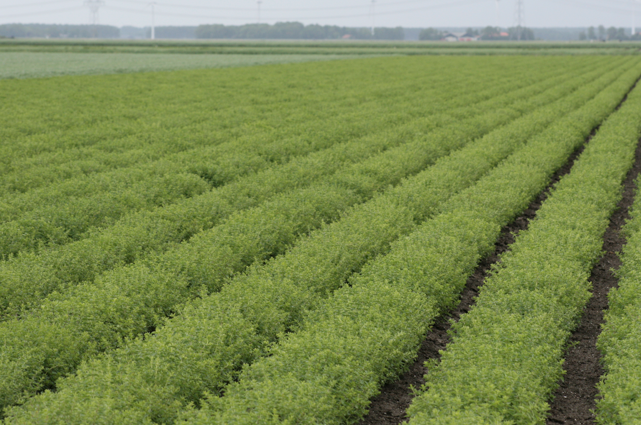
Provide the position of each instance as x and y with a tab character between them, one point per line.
600	33
487	33
431	34
520	33
58	31
173	32
296	30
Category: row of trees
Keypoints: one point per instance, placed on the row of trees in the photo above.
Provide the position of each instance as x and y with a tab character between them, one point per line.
487	33
281	30
296	30
600	33
289	30
58	31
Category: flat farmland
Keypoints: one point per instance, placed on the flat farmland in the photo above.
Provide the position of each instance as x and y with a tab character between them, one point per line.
24	64
377	239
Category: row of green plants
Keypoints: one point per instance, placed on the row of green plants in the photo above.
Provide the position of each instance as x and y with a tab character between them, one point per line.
71	219
369	331
99	122
257	135
203	348
620	340
109	115
294	119
185	145
62	213
139	130
192	96
33	363
204	260
506	355
29	277
51	218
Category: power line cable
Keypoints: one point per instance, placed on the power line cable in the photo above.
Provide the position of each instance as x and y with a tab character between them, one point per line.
608	6
42	3
44	12
397	12
250	10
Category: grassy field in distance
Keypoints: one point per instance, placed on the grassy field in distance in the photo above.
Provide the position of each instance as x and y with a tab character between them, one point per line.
322	47
36	58
49	64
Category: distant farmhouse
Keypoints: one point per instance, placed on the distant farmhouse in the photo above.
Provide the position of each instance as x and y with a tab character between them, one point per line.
450	36
460	36
488	33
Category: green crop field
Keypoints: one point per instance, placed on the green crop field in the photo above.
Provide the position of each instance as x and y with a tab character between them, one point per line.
343	47
271	244
47	64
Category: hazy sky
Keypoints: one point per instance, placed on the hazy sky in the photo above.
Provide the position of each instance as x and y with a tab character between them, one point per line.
407	13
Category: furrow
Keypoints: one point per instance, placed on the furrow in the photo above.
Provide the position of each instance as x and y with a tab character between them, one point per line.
390	406
506	356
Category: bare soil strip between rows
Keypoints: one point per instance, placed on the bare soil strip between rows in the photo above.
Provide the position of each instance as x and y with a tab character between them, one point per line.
576	397
574	401
390	406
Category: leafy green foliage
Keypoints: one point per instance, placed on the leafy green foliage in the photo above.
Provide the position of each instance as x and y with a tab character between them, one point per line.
229	248
219	165
620	340
368	332
84	125
30	277
203	348
505	358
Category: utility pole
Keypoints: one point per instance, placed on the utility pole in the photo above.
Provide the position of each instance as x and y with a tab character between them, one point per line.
634	18
94	8
498	16
519	18
373	10
153	20
259	3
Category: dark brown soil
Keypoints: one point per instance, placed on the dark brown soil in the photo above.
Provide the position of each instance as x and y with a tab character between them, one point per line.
575	399
390	406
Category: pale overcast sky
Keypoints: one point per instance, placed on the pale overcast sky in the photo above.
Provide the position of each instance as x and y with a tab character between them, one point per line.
407	13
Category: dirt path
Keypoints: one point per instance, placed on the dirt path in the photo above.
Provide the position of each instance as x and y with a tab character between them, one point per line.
575	399
390	406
